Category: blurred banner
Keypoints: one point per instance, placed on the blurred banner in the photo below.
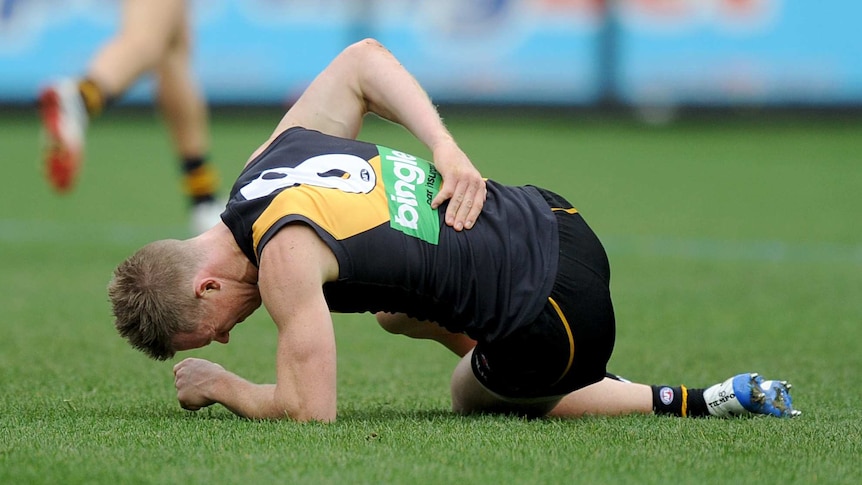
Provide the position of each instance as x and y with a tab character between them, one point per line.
719	52
562	52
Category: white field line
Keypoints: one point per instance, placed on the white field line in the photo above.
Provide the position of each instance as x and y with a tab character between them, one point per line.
729	250
66	234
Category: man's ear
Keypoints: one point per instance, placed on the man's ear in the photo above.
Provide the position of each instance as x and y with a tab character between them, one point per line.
205	285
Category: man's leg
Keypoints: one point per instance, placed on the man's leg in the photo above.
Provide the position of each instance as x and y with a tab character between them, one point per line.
743	394
608	397
401	324
470	396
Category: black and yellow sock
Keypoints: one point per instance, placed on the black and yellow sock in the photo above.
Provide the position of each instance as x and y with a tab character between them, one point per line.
94	99
200	180
679	401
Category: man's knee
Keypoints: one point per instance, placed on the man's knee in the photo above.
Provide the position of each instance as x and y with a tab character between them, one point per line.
468	396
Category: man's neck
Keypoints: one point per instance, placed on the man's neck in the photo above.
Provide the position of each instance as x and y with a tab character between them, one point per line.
224	256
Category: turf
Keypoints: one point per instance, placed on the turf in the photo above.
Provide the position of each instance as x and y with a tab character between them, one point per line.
735	244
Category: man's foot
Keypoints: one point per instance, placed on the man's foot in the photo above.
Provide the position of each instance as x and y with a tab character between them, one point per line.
747	394
64	121
205	215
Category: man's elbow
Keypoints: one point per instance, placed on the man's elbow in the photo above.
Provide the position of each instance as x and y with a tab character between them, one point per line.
365	49
367	43
305	410
309	415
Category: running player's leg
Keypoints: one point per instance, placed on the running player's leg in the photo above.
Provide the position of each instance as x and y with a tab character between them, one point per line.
185	112
147	30
67	105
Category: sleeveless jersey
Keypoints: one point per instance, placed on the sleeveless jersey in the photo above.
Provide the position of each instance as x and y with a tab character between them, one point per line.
371	205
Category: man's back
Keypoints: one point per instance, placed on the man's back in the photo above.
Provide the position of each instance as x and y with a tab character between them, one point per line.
371	205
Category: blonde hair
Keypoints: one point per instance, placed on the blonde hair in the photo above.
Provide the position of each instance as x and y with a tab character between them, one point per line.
152	296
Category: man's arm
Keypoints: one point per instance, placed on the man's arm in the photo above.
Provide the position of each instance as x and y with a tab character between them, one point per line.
294	265
366	78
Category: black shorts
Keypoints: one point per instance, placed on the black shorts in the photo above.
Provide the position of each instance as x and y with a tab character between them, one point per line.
568	345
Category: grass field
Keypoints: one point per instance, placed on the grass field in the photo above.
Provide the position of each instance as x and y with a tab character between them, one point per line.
735	243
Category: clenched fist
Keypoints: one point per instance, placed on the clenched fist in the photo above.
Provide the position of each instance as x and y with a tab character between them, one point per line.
194	380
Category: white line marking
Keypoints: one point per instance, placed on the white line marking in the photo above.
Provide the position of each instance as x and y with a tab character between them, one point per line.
729	250
15	232
84	234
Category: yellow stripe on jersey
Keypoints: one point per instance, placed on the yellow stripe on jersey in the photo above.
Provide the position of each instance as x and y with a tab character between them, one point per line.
341	214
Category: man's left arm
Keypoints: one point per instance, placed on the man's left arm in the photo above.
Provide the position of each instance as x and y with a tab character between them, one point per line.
293	268
366	78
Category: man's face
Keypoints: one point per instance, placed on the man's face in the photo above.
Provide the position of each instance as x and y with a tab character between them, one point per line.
221	316
203	335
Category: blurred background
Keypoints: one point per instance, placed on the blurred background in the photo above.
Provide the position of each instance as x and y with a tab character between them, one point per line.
734	234
653	55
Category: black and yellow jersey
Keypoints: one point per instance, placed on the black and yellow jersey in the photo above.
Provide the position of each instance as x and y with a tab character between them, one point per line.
372	206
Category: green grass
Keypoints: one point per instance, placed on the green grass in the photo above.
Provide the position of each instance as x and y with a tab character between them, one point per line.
735	243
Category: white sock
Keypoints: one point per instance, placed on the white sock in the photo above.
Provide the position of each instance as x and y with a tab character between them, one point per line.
721	401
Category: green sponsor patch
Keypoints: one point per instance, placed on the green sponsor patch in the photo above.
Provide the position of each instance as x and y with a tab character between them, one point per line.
411	184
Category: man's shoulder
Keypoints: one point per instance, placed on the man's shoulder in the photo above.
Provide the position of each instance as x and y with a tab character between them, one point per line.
301	244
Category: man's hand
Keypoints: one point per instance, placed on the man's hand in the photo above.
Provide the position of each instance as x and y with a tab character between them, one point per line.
194	379
463	186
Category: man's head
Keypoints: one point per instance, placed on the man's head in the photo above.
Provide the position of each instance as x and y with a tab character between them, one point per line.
153	297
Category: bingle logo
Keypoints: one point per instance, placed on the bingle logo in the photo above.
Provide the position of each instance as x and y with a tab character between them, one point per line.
410	184
408	176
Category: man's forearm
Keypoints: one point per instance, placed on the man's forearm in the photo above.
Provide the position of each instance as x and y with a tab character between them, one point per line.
262	401
246	399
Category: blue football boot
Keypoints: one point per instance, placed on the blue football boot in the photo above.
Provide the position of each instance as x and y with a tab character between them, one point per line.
750	394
